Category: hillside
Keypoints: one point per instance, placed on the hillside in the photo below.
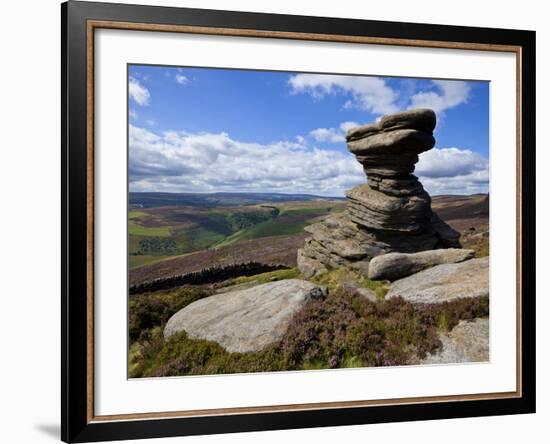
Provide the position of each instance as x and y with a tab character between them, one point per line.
152	200
206	237
269	250
157	233
463	212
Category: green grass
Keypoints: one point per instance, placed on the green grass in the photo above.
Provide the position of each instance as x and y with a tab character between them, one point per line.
197	238
139	230
271	276
351	362
291	220
275	227
335	278
482	247
135	214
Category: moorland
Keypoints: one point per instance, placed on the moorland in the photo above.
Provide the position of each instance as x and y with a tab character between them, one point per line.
198	235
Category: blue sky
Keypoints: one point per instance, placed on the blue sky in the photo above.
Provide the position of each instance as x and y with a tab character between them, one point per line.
208	130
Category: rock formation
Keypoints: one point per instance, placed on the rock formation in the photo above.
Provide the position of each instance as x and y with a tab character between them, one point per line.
392	211
245	320
467	342
446	282
394	266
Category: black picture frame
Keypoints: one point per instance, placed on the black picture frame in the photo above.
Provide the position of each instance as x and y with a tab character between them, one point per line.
76	423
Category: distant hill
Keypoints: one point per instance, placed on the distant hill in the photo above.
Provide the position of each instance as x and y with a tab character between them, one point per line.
152	200
230	228
157	232
450	207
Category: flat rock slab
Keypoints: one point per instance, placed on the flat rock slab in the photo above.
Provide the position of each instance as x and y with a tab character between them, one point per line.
393	266
467	342
245	320
422	119
469	279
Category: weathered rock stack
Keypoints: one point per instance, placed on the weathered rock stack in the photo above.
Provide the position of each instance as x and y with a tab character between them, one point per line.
392	212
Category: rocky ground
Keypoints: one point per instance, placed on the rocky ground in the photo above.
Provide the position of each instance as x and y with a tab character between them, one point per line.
244	320
467	342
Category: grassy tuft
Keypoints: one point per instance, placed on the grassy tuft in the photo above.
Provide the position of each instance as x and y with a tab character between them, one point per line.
270	276
334	279
482	247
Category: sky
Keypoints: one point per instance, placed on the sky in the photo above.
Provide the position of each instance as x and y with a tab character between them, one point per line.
227	130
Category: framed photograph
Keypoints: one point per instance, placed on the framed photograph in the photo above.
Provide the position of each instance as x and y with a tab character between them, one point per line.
275	221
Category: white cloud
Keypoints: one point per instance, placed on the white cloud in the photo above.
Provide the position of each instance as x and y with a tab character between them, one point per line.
139	93
474	183
374	95
133	114
204	162
453	171
327	135
371	94
333	135
450	93
181	79
345	126
450	162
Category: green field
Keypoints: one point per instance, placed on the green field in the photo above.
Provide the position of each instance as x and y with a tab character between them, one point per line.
288	222
138	230
138	261
161	232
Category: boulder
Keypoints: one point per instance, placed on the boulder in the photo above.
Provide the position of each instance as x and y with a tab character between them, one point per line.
394	142
393	266
396	187
422	119
384	212
468	279
245	320
467	342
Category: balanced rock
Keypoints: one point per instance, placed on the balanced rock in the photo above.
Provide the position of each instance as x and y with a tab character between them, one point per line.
467	342
245	320
446	282
392	211
393	266
380	211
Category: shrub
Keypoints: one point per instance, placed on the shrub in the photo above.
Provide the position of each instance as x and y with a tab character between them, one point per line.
157	246
150	310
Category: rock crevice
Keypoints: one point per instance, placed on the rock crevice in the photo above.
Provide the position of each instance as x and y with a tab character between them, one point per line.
392	211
